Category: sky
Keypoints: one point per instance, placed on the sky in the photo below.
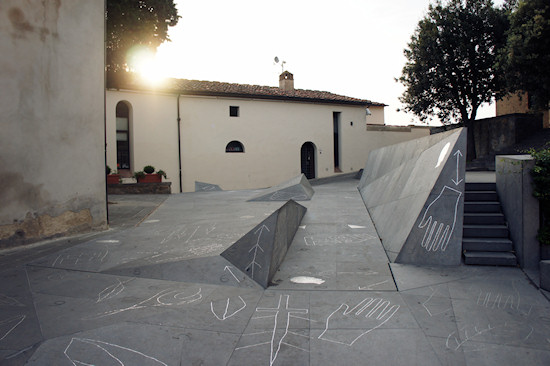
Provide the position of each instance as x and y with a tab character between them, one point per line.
348	47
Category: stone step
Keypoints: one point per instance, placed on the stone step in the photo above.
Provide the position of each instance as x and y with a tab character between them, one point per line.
481	196
485	231
487	245
490	258
478	186
482	207
484	219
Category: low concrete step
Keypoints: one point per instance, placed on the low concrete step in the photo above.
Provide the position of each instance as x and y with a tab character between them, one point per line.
487	245
481	196
485	231
490	258
479	207
484	219
478	186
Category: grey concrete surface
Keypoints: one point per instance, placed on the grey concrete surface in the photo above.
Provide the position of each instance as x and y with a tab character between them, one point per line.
159	293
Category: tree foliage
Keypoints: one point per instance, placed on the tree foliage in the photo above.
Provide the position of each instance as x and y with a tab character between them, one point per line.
450	69
525	59
136	22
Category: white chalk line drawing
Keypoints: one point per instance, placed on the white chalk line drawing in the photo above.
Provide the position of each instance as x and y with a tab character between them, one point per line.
281	321
82	257
457	181
373	312
256	246
112	290
371	286
166	298
438	234
6	300
498	300
113	352
356	227
309	241
442	154
8	325
302	227
237	307
108	241
228	268
467	333
436	309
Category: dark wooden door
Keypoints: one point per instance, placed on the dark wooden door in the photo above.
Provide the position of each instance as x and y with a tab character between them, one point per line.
308	160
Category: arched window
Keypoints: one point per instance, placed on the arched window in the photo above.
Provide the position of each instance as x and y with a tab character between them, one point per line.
122	135
234	147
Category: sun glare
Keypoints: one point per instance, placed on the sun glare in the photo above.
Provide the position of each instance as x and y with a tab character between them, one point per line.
144	62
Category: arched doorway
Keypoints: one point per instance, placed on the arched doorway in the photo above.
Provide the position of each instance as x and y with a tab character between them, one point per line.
307	158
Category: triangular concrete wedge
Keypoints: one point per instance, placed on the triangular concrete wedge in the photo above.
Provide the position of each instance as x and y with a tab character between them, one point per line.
296	189
260	252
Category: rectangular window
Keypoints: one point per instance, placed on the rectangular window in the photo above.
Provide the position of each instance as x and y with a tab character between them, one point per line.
233	111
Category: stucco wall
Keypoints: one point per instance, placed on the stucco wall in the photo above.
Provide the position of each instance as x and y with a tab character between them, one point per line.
51	145
153	132
272	133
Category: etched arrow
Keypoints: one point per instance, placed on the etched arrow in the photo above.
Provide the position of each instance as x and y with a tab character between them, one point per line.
458	154
255	248
227	268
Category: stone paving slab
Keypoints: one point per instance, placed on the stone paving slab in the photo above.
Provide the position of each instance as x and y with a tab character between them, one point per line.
159	293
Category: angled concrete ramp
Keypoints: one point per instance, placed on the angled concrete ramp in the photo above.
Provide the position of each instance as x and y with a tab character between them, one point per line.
414	192
296	189
206	187
260	252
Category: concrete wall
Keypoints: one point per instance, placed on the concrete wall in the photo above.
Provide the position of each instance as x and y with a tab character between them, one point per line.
498	133
52	162
272	133
515	190
414	192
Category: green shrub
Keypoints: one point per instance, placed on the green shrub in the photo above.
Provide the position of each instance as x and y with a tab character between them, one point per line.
541	190
149	169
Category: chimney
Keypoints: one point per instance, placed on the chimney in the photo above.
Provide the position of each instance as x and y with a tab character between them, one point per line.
286	81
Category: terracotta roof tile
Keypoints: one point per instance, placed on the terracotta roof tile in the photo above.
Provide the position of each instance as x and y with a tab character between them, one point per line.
216	88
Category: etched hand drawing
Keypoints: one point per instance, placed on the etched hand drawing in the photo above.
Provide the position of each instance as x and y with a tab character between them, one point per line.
341	324
439	222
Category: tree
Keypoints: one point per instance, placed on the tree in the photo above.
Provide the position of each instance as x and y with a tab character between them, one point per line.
135	22
525	60
450	69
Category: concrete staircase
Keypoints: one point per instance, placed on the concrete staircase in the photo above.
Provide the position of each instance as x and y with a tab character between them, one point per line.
485	235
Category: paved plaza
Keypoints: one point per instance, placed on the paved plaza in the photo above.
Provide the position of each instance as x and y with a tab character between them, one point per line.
154	290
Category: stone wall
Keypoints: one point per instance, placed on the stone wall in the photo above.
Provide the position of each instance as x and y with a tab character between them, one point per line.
52	161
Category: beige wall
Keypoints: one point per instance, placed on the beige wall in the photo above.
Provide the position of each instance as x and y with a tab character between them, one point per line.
272	133
153	132
51	146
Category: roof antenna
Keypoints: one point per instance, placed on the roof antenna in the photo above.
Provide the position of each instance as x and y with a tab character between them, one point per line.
282	63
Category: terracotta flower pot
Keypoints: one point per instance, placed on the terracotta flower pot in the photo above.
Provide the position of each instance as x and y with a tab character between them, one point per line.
150	178
113	178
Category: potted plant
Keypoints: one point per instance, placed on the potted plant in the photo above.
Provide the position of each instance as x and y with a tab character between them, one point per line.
148	175
112	176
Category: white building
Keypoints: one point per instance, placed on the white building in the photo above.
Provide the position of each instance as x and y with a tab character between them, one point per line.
242	136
